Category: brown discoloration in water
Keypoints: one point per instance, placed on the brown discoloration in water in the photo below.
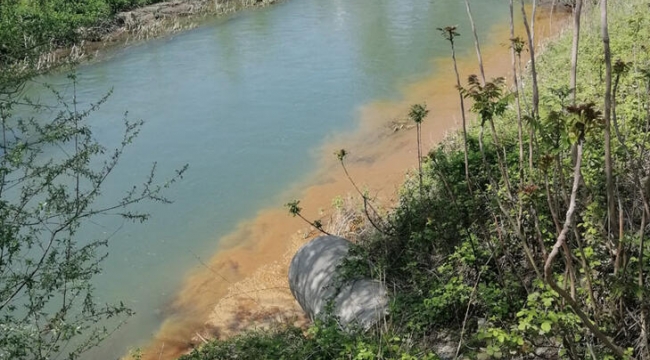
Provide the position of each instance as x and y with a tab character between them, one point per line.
245	283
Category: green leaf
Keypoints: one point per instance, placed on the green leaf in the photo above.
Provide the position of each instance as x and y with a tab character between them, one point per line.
546	326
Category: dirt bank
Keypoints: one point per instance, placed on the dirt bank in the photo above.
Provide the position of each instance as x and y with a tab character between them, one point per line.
245	283
152	16
143	23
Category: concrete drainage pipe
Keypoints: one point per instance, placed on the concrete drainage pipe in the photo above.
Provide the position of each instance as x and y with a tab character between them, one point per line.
311	279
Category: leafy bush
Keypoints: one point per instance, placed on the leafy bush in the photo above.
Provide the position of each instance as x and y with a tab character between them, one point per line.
325	340
37	26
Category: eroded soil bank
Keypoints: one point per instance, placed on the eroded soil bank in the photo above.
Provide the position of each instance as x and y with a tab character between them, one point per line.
245	283
141	19
143	23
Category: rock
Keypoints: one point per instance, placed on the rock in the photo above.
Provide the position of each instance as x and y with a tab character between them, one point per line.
312	276
445	351
445	346
546	352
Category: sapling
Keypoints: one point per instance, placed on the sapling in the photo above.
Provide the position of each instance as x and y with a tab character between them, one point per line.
449	33
341	155
586	117
417	114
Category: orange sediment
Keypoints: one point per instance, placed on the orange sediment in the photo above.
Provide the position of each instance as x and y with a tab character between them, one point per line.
245	284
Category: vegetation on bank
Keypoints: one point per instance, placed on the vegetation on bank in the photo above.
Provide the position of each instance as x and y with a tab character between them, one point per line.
28	25
524	237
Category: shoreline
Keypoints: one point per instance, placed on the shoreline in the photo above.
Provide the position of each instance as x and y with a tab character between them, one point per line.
144	23
244	284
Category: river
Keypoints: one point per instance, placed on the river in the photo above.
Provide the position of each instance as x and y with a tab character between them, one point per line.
249	101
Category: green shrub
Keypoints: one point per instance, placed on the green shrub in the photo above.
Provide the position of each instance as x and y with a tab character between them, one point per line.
325	340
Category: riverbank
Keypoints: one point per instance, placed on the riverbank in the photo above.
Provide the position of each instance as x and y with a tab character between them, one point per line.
500	262
244	285
170	17
85	32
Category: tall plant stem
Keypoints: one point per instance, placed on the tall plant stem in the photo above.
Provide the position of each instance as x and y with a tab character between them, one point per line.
418	127
561	179
641	276
531	49
533	17
515	79
587	270
577	13
611	206
551	204
501	160
462	113
477	44
617	129
644	306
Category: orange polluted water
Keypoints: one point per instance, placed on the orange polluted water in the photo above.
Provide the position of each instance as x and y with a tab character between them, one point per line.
244	284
